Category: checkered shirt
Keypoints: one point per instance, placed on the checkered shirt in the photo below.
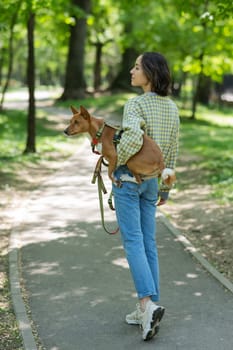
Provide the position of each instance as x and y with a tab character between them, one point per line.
158	117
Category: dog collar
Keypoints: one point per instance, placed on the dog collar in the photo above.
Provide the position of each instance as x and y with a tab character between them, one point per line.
95	139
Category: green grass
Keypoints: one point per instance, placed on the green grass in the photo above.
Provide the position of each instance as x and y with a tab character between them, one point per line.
107	102
50	143
209	137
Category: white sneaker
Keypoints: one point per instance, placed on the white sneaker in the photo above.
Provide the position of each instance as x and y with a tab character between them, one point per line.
151	319
135	317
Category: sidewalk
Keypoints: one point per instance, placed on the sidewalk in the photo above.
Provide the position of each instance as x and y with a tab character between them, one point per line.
78	283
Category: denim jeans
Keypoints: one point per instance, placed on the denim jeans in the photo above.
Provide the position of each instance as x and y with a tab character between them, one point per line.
135	209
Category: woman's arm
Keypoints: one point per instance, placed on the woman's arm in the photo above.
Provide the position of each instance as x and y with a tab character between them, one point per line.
131	139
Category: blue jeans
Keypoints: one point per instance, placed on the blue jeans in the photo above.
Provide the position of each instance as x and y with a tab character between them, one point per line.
135	209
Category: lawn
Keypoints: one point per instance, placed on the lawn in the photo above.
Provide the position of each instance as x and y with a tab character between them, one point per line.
50	144
209	137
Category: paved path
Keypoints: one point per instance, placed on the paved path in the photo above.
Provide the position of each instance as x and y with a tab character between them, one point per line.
78	283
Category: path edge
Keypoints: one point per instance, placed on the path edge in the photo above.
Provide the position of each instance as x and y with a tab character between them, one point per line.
22	319
193	251
21	315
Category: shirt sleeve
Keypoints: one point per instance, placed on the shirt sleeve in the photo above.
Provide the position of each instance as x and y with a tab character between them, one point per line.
132	136
173	153
174	146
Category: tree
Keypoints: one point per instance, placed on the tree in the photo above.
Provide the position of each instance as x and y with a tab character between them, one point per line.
100	34
13	19
194	36
224	9
31	120
128	14
208	58
30	14
75	84
122	80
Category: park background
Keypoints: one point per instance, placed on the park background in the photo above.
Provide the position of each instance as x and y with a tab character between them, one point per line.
57	53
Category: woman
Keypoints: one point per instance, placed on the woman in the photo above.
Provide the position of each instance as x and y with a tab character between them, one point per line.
156	114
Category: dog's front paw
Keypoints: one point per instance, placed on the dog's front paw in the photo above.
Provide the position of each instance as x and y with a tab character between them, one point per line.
116	182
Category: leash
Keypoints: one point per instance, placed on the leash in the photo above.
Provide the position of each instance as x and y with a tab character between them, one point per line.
95	140
116	137
102	190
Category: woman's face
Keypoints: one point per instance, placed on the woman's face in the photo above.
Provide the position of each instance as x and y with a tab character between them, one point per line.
138	77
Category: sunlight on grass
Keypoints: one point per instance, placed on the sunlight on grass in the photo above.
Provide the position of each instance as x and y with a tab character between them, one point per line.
108	102
52	146
222	117
209	138
212	142
214	116
218	119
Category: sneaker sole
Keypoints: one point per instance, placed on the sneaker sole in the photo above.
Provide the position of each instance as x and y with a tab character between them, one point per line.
133	322
154	325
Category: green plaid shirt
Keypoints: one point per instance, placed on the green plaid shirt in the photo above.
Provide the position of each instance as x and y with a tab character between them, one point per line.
158	117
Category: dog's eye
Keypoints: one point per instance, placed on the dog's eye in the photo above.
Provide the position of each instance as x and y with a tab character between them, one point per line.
76	122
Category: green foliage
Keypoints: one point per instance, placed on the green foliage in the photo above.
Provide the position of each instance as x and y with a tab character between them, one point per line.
181	30
195	36
224	8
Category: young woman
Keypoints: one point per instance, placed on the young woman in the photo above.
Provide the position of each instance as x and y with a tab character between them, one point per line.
156	114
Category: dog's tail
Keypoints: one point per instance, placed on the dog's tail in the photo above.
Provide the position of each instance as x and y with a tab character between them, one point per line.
168	176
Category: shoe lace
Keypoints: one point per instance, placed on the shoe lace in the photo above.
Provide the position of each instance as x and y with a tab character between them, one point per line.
138	311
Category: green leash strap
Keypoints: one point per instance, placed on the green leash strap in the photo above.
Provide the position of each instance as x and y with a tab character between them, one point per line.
101	190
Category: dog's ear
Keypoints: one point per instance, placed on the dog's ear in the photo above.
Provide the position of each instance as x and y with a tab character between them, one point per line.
74	110
84	112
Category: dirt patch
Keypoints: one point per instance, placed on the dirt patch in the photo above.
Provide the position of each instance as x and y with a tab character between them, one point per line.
10	337
206	223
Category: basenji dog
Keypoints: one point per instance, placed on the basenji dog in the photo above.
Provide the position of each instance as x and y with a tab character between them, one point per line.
146	163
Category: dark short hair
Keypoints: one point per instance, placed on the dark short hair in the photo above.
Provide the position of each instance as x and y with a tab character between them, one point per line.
157	72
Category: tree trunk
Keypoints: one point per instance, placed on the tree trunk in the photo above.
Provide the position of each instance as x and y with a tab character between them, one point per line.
177	83
97	67
194	100
122	80
201	59
204	90
10	52
75	84
197	87
31	121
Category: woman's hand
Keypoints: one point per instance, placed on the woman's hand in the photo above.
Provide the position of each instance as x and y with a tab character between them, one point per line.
161	202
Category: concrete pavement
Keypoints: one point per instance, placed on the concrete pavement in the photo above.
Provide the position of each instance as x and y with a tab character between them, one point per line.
78	283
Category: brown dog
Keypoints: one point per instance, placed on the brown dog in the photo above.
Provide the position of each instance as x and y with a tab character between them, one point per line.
147	162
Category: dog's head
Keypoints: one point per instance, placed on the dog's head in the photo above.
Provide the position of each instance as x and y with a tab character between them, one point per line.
79	123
